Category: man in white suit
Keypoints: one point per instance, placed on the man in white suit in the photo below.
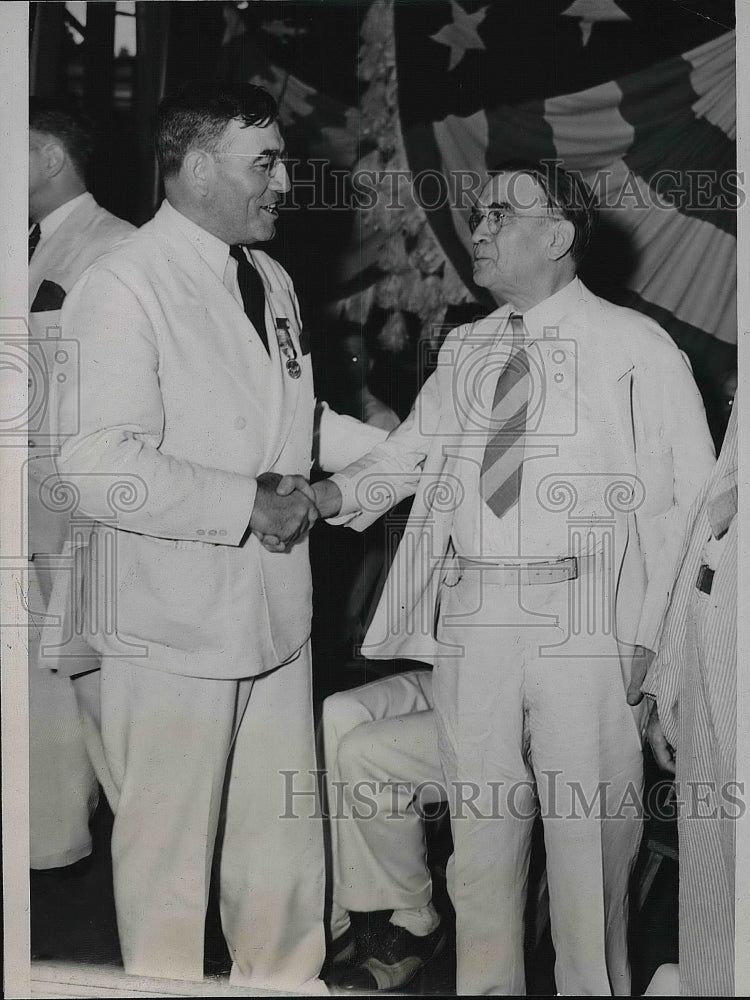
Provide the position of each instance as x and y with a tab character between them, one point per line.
196	391
554	455
68	232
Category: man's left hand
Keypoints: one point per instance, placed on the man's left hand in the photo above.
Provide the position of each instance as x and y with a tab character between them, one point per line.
662	751
640	660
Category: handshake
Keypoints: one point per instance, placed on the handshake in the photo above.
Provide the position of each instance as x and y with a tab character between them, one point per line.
286	508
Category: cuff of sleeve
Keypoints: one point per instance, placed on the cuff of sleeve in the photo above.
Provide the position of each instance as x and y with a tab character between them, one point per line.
650	686
349	505
233	515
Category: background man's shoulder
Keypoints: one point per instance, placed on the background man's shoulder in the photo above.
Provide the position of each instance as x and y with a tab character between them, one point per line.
111	226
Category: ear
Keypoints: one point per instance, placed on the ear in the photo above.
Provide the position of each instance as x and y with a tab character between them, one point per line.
561	239
197	169
54	157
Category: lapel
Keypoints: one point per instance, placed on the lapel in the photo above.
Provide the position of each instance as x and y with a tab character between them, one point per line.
235	346
53	258
606	362
279	305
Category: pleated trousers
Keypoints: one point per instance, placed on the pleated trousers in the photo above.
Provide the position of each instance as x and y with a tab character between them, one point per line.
529	721
196	764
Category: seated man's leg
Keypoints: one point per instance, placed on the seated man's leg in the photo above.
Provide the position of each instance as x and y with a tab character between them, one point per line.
343	712
389	770
379	767
380	862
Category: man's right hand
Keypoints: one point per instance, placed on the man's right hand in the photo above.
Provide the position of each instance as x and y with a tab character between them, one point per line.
662	751
283	518
326	494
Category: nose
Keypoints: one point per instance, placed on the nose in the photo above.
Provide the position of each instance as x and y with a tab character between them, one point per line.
280	178
481	233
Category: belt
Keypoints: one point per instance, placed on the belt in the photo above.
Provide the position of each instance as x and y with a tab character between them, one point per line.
532	573
705	579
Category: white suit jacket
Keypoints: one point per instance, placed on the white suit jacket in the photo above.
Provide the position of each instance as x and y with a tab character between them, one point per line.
180	408
57	264
654	425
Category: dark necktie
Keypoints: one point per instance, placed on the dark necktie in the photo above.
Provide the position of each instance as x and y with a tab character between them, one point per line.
252	292
502	464
35	234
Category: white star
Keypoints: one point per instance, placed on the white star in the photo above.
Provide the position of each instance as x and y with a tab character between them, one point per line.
461	35
591	11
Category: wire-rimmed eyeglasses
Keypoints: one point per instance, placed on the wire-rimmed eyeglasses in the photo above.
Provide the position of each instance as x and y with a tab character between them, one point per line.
496	218
267	162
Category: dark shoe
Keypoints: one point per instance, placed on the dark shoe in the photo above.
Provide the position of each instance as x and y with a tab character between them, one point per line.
393	959
341	950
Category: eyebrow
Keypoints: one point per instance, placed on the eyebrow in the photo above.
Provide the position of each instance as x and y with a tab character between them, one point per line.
505	205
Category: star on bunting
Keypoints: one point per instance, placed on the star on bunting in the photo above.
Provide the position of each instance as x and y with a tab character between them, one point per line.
461	34
591	11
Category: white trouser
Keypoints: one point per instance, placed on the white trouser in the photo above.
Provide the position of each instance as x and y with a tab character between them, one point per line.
380	750
517	729
168	743
63	790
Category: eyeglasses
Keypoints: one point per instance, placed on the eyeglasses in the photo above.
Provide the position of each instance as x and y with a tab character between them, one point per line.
496	218
267	162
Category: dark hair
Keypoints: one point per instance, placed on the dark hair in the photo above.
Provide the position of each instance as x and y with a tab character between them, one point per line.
197	115
60	118
566	192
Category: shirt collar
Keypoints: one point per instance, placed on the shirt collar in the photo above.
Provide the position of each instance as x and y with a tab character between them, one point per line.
552	311
55	219
214	251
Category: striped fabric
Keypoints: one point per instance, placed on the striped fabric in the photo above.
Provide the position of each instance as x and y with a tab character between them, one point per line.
645	144
502	463
694	681
638	97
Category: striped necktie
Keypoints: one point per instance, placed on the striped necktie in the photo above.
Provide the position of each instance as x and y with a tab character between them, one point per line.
35	234
502	464
252	292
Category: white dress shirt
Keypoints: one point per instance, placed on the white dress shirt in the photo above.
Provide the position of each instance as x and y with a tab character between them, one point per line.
564	454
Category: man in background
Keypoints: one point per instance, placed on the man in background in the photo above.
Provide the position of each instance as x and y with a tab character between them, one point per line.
692	729
69	230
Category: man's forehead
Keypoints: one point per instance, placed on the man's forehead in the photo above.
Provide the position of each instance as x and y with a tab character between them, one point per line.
515	189
253	139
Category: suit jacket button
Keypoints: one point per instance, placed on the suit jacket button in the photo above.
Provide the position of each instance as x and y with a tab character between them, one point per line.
240	423
32	443
212	531
200	531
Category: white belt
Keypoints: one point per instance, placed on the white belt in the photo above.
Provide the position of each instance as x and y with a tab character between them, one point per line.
530	573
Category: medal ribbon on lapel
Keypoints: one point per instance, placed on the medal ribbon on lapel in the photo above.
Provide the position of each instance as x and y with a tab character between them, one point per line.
286	347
